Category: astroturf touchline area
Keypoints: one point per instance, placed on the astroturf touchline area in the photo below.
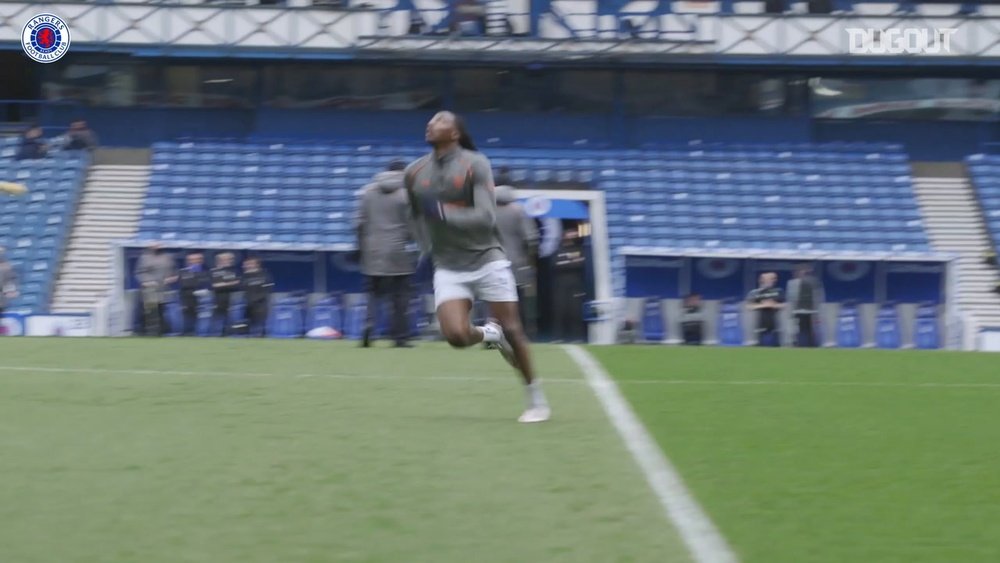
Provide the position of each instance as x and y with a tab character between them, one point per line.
235	450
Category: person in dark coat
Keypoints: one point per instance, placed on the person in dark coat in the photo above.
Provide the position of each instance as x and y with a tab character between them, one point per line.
32	147
225	281
385	234
805	295
519	237
194	279
257	287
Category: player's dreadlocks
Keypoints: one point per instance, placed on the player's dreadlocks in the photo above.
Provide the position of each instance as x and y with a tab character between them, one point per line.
464	138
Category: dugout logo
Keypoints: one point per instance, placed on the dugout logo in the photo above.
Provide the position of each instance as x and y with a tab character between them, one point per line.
45	38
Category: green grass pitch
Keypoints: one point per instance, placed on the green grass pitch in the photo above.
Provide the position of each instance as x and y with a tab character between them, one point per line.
224	451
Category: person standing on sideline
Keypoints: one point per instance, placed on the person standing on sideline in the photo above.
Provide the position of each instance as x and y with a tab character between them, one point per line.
767	300
451	193
385	229
569	269
225	281
194	279
806	296
257	286
519	238
155	272
692	320
8	281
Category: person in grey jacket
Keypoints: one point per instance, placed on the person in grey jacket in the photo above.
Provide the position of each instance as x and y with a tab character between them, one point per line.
385	233
519	238
155	271
8	281
805	295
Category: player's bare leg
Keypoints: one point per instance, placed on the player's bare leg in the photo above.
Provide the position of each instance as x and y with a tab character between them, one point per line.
516	349
456	325
509	319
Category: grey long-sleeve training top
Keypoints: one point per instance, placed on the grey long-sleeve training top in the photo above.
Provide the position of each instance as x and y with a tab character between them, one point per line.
462	181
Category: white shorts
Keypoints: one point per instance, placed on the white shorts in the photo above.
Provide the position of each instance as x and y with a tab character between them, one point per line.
493	283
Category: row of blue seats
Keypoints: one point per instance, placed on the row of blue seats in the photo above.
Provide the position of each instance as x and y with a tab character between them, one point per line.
32	209
257	226
990	191
639	181
382	146
30	230
787	196
985	172
527	156
28	177
790	233
617	192
52	160
778	212
748	244
524	166
245	208
848	223
177	184
818	204
230	237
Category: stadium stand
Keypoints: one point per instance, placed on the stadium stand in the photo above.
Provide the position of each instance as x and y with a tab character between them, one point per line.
34	227
985	172
786	197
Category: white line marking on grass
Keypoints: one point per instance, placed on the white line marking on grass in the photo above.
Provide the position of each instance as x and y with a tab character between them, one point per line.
697	531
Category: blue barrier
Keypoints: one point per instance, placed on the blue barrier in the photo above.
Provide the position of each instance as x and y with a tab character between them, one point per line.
326	312
848	327
887	328
926	333
203	326
286	319
237	313
418	316
653	324
175	318
731	325
354	322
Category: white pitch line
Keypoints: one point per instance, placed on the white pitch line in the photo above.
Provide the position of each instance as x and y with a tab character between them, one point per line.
696	529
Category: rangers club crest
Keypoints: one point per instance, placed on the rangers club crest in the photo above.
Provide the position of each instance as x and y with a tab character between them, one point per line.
848	270
45	38
717	268
537	206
